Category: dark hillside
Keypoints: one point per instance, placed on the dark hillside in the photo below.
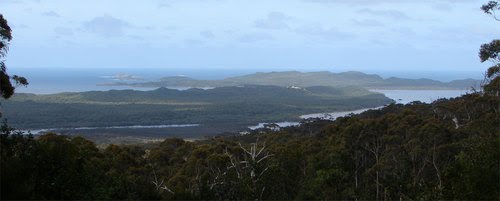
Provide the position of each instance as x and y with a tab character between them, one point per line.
447	150
241	106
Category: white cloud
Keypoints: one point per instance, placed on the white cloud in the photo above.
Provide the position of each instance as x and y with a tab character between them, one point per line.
394	14
255	37
207	34
319	30
368	23
274	20
256	26
365	2
51	14
164	5
193	42
63	31
443	7
19	26
106	26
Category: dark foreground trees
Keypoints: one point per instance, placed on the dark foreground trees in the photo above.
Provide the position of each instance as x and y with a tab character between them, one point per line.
445	150
490	52
6	86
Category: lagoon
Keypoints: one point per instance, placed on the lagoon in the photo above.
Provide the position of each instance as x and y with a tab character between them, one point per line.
42	131
399	96
426	96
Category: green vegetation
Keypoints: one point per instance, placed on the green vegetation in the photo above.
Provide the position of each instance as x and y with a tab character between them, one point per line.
236	106
490	52
6	86
447	150
295	78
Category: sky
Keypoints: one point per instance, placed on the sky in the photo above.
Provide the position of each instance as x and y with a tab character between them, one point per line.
305	35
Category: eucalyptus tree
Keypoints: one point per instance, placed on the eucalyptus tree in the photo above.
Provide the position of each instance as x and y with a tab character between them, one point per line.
6	86
490	52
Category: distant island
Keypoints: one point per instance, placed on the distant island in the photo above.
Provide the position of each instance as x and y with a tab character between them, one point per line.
308	79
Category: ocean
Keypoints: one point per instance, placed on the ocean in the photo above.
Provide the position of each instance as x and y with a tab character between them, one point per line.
56	80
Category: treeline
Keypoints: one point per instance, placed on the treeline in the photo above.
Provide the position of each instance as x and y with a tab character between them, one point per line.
441	151
237	105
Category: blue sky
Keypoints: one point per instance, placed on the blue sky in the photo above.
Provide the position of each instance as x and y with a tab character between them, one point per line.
306	35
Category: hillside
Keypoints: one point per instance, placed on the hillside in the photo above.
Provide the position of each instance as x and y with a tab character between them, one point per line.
447	150
230	108
303	79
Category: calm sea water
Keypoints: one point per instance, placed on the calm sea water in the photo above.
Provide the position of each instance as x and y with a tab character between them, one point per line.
426	96
400	96
49	81
42	131
56	80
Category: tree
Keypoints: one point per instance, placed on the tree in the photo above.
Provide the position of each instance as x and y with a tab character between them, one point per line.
490	52
6	86
491	8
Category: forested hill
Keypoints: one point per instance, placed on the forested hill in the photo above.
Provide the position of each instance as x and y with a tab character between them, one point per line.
324	78
231	108
285	95
447	150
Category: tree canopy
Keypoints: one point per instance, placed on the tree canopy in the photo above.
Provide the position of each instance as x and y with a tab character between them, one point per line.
491	8
490	52
446	150
6	86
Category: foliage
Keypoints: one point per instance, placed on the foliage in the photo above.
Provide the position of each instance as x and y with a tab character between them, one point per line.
447	150
491	8
234	106
6	87
490	52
